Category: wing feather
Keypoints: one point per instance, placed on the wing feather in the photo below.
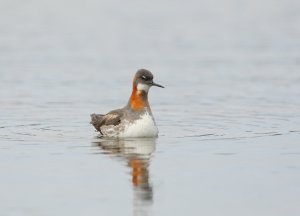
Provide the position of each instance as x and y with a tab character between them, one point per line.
111	118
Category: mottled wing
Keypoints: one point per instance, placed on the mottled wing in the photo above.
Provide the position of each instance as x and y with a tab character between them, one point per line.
111	118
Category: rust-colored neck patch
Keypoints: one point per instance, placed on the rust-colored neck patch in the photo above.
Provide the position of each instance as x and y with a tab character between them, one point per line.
138	99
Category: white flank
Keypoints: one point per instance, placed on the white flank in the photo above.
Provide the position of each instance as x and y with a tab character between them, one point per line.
143	87
143	127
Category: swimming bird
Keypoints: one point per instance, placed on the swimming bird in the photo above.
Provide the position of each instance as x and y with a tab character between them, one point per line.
135	119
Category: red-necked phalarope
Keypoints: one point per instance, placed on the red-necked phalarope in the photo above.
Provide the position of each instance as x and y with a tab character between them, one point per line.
135	119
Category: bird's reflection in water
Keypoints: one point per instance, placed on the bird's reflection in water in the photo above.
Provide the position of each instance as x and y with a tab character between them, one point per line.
137	153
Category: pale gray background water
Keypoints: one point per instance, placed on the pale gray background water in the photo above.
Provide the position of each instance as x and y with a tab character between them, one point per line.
229	117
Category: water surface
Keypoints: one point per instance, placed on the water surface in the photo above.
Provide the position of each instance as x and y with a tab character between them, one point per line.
229	117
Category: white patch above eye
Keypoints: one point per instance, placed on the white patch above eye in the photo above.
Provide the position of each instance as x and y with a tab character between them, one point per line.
144	77
143	87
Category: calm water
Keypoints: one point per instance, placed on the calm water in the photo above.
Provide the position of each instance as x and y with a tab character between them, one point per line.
229	117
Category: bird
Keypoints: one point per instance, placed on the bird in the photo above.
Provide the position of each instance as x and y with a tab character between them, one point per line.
135	119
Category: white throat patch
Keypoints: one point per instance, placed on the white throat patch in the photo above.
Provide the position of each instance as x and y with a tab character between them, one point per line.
143	87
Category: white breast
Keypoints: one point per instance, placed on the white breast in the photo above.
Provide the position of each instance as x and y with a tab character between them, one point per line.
143	127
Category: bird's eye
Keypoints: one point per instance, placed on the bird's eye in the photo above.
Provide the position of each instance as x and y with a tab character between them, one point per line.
144	77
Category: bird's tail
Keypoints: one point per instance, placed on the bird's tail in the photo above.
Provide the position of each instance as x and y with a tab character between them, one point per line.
96	120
